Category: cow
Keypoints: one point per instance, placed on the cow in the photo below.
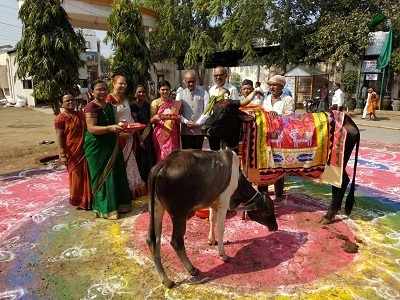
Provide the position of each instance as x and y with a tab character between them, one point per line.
222	122
188	180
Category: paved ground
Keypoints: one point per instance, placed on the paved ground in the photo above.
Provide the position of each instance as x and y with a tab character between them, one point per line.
49	250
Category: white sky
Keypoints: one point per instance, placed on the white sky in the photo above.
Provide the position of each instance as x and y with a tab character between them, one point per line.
10	26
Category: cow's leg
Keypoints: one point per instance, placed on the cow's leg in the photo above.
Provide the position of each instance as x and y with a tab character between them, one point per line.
212	220
158	217
278	187
178	243
336	202
221	208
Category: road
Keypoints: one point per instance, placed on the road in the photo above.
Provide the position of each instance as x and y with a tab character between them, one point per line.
383	135
49	250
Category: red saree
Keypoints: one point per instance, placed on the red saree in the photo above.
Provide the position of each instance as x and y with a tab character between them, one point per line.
73	127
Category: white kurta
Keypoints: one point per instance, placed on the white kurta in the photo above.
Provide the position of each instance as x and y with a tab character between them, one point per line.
216	91
283	106
338	98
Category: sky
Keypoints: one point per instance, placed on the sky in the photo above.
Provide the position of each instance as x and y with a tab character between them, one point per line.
10	26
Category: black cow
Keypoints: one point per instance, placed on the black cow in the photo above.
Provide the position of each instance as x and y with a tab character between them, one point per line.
223	122
189	180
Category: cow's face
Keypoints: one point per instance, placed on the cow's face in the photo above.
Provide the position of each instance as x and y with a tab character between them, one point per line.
265	215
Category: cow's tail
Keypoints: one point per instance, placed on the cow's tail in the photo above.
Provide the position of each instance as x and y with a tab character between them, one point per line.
350	196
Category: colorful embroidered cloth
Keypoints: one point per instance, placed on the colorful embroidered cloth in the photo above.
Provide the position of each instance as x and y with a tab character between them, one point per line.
299	144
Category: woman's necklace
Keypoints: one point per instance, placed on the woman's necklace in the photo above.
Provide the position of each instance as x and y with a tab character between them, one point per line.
118	99
102	106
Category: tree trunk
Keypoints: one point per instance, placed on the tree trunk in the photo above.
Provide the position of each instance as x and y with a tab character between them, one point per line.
55	105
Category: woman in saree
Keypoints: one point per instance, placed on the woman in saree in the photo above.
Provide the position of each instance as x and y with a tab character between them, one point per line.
110	189
127	141
372	104
166	121
70	128
140	109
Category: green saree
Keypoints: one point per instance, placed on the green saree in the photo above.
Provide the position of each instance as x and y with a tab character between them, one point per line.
106	167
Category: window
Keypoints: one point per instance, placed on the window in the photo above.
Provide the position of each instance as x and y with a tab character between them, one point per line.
27	84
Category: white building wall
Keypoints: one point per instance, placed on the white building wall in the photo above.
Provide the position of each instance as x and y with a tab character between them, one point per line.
91	39
3	72
17	90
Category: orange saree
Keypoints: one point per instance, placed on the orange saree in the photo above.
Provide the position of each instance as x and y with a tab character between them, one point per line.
73	127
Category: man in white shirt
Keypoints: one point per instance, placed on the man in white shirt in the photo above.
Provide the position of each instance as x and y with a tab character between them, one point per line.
194	100
275	102
338	98
220	75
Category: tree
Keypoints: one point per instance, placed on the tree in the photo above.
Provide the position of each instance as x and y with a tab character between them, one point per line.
279	26
185	33
105	65
127	37
49	50
342	30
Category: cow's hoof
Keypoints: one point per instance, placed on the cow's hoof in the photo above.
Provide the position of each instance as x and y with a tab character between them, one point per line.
225	258
326	220
168	283
194	271
273	227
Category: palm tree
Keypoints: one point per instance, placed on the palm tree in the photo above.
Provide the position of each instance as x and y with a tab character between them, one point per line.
49	50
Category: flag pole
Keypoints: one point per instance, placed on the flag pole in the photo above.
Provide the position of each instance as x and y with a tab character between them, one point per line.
382	87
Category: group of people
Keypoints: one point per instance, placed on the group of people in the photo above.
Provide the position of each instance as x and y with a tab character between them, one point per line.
108	166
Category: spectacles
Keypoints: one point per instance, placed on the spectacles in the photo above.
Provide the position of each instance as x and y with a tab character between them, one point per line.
219	75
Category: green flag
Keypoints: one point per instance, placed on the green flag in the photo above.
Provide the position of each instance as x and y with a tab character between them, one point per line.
386	52
376	20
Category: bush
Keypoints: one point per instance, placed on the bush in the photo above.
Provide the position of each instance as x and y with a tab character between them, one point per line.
350	81
395	62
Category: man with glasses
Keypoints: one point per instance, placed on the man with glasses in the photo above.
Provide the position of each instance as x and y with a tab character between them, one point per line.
220	75
223	125
194	100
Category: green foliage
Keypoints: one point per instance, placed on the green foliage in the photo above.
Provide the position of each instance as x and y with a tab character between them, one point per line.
290	32
281	23
127	37
341	32
350	81
184	34
49	50
395	62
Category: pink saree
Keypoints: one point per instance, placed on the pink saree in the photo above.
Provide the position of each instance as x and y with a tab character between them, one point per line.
166	133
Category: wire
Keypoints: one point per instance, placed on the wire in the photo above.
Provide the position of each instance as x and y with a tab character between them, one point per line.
2	34
9	7
11	25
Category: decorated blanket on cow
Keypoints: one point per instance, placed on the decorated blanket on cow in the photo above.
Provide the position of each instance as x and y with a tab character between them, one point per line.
308	144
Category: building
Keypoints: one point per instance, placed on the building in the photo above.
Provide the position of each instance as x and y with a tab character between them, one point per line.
17	89
87	14
4	83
